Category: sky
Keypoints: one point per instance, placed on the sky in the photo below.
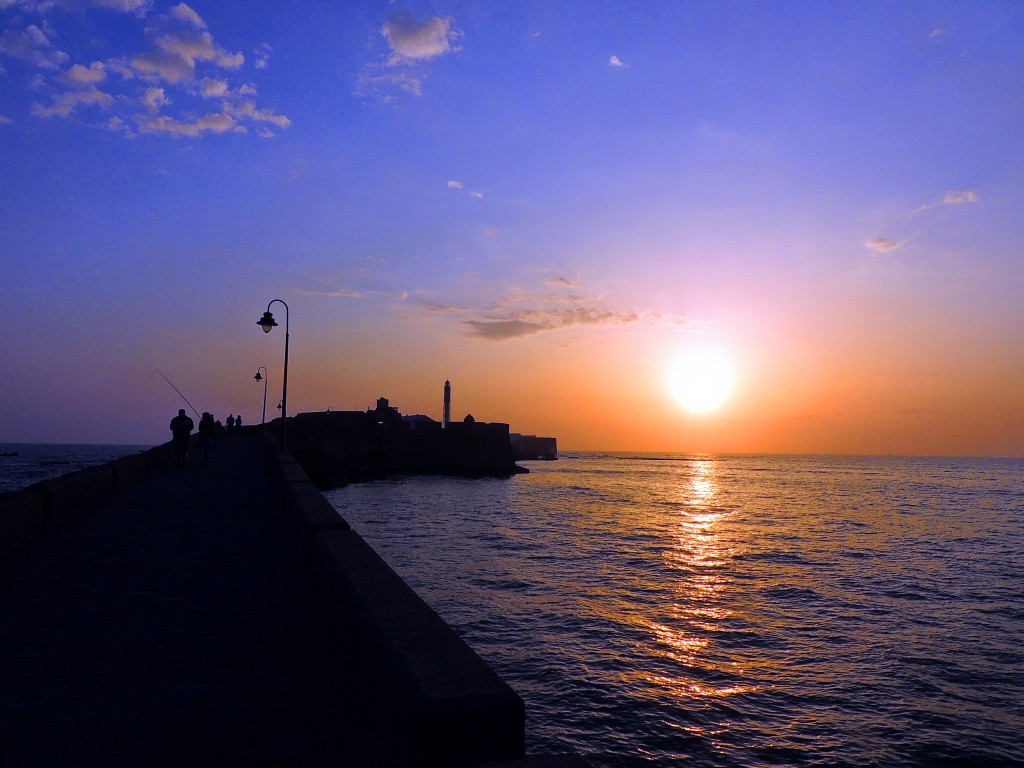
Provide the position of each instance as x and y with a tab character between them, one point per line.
556	206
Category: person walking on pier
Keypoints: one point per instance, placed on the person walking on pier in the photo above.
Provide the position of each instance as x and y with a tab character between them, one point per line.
207	429
181	433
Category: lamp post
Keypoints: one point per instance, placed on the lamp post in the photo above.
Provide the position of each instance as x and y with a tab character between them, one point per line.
267	322
264	380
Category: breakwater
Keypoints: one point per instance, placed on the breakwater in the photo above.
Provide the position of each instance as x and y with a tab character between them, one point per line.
139	520
27	514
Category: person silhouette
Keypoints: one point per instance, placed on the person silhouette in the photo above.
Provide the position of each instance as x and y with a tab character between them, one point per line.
238	421
231	422
181	433
207	429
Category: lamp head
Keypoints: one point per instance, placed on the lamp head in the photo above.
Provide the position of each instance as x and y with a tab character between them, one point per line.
258	377
267	321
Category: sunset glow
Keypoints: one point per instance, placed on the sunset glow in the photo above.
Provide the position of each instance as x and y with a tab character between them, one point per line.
545	205
702	380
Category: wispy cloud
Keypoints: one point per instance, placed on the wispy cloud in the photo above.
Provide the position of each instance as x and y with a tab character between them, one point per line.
881	244
529	311
459	186
566	281
32	45
411	43
341	293
132	93
958	196
952	197
533	321
446	309
615	61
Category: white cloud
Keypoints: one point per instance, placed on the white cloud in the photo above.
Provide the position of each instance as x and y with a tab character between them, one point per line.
412	40
154	99
166	65
382	85
91	75
881	244
214	123
342	294
565	281
64	104
182	65
458	185
615	61
262	54
32	45
530	322
138	7
952	197
211	88
186	14
958	196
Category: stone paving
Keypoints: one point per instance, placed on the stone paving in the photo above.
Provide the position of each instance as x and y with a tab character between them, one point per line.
173	625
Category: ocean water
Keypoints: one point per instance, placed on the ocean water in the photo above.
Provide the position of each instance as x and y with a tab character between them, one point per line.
732	611
22	464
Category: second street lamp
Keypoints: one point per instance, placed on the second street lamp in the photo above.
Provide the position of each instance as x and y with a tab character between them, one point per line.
264	380
267	323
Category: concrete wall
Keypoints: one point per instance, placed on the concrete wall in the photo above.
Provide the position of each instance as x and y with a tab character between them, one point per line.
447	705
28	513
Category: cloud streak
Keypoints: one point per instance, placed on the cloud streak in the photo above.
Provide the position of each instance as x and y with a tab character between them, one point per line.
533	321
881	244
952	197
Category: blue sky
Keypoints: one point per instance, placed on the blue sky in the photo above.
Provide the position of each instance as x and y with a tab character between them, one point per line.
829	191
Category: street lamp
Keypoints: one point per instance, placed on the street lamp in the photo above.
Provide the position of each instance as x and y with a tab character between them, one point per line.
264	379
267	322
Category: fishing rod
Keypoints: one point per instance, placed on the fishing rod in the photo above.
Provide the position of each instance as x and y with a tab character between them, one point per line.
178	391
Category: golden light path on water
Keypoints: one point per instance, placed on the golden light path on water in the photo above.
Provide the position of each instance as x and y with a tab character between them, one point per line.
700	559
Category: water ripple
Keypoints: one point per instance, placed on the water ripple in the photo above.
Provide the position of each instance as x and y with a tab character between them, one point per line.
736	611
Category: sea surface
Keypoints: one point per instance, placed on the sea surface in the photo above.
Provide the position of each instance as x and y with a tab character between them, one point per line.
732	610
22	464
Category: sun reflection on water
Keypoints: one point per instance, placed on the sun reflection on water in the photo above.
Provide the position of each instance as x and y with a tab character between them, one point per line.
699	556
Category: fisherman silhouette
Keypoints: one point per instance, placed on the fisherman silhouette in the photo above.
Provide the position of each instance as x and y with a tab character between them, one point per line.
181	433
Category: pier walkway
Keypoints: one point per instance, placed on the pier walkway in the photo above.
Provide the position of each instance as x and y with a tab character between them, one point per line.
169	625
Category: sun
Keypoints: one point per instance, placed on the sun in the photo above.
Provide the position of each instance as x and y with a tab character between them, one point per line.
702	379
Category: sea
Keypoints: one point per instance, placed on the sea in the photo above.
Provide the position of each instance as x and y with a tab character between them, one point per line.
732	610
22	464
718	610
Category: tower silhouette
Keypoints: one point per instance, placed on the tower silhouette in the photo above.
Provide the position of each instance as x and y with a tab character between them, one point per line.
446	416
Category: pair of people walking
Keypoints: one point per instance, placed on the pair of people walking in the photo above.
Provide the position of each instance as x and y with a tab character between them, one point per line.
181	437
